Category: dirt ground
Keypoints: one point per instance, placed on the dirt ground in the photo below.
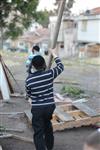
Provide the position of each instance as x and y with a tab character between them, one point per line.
72	139
85	75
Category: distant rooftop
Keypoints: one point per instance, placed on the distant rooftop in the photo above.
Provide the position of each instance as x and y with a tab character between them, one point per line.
94	11
36	36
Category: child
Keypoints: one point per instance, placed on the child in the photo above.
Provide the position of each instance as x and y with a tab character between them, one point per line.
39	88
35	52
93	141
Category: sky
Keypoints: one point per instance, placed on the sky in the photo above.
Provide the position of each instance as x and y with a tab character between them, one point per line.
78	7
46	4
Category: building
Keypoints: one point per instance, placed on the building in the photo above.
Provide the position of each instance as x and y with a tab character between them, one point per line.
89	26
67	35
39	36
88	33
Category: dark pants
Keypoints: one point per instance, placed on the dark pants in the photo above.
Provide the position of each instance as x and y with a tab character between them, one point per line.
41	123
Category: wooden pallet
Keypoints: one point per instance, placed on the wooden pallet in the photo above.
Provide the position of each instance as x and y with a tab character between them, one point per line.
72	115
77	115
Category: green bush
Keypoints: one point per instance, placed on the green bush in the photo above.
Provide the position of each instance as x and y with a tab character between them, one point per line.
72	91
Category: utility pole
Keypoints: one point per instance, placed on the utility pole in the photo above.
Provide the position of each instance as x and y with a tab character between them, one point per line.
57	26
56	31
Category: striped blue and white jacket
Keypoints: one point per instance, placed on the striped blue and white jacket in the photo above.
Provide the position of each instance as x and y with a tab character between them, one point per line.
39	85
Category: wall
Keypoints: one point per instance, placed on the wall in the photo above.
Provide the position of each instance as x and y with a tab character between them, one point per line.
89	31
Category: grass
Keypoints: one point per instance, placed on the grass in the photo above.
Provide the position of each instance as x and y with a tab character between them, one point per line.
93	61
73	92
13	58
7	53
77	61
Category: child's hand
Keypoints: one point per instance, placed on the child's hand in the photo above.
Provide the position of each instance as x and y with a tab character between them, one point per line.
53	52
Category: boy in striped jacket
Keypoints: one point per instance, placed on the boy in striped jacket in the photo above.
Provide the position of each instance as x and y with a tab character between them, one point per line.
39	88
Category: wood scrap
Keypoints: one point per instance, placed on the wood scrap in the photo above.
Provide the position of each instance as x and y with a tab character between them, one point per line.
0	147
75	124
17	95
82	100
26	139
11	129
5	135
84	108
11	113
5	68
64	116
59	98
28	115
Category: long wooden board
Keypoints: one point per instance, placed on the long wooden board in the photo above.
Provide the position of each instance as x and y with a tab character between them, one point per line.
4	84
84	108
0	147
64	116
76	123
28	115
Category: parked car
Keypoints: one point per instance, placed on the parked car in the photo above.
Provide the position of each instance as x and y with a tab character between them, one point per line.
22	50
12	49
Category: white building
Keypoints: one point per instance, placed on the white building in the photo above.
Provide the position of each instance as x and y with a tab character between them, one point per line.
67	36
89	27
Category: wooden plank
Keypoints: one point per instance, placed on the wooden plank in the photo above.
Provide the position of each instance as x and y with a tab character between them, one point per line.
5	68
4	84
76	114
66	107
64	116
87	110
28	115
17	95
5	135
0	147
15	130
59	98
11	113
55	119
26	139
76	123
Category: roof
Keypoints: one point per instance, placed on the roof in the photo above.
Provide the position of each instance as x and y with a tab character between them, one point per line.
37	36
94	11
92	14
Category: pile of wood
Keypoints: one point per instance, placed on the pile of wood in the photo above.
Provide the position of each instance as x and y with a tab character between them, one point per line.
74	115
94	48
91	50
70	114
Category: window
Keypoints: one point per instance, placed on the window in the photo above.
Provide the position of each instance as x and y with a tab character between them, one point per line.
21	44
84	25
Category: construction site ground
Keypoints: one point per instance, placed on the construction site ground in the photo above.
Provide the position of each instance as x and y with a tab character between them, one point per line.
79	73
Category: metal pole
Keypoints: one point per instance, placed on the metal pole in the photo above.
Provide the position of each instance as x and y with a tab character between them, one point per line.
56	30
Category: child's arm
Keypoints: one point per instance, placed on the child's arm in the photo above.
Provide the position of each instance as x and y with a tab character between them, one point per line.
28	91
60	67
